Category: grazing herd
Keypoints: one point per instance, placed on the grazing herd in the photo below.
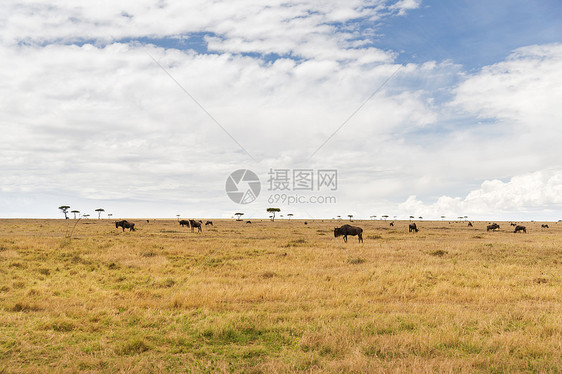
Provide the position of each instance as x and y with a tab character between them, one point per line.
493	227
344	230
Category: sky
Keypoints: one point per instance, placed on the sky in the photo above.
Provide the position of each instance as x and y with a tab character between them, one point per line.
414	108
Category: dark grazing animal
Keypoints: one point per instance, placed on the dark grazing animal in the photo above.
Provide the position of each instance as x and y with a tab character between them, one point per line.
391	224
544	226
209	223
248	221
125	225
413	228
193	223
184	222
493	227
513	224
306	223
470	224
520	228
346	230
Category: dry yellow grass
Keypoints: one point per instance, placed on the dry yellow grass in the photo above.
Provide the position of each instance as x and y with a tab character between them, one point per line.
279	297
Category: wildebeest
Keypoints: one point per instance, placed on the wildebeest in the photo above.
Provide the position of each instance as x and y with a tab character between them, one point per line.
544	226
248	221
184	222
413	228
470	224
193	223
493	227
391	224
346	230
512	224
125	225
519	228
147	221
306	223
209	223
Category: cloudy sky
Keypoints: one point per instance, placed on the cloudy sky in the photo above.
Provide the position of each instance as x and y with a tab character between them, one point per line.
426	108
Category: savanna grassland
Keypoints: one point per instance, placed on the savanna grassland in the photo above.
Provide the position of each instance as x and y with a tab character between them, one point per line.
279	297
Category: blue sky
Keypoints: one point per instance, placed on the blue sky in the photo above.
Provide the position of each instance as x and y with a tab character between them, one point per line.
96	108
473	33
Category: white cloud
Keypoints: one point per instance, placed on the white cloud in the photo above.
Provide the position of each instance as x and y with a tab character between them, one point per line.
523	90
302	28
521	195
404	5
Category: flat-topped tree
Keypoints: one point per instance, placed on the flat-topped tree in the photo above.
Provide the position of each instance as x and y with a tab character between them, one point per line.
75	212
64	209
239	215
99	212
350	217
273	211
385	216
290	215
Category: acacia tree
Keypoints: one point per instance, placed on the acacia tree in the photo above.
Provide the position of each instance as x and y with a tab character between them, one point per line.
350	217
177	215
64	209
75	212
290	215
385	217
411	218
373	217
99	212
239	215
273	211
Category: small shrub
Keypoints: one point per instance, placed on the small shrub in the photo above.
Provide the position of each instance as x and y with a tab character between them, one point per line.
438	252
25	307
18	284
295	243
268	274
133	347
148	254
356	260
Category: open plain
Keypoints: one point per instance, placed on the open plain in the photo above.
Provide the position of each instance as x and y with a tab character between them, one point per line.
279	297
